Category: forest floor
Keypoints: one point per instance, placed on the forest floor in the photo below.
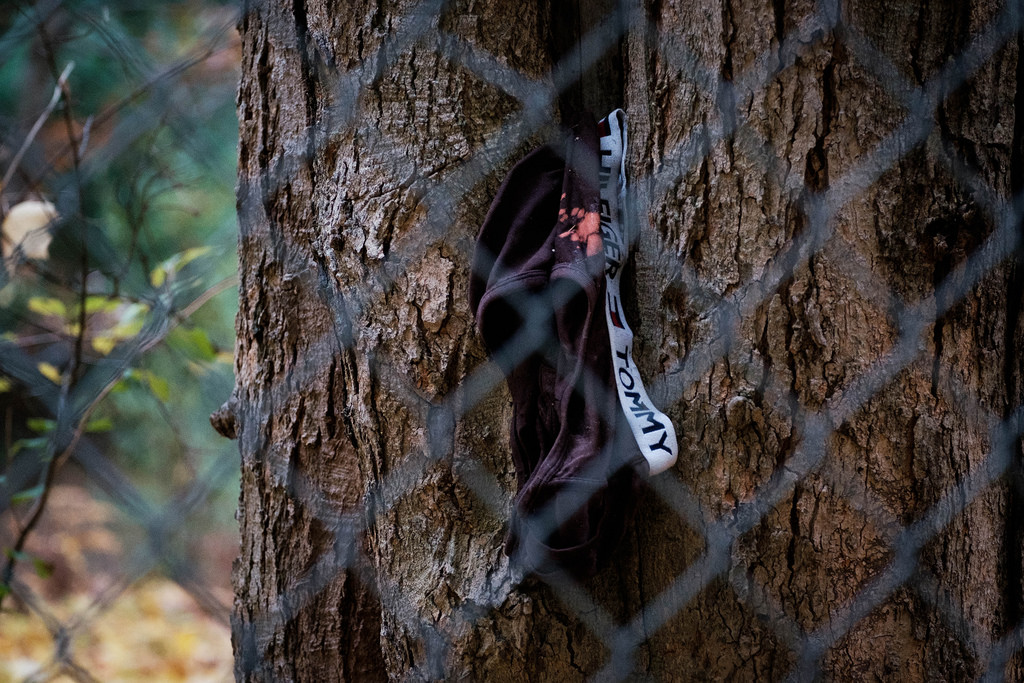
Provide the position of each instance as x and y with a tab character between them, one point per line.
89	572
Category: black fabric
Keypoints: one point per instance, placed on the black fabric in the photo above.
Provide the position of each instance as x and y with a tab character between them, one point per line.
537	290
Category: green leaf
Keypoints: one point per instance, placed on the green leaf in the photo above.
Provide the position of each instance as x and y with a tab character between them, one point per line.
192	254
27	496
194	343
174	264
160	387
158	276
50	372
100	304
47	306
133	312
100	424
37	442
40	424
43	568
126	330
5	385
104	343
130	321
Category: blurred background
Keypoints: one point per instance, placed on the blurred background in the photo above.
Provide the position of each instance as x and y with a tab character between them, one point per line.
117	301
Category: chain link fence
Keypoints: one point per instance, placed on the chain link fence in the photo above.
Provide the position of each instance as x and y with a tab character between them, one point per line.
117	151
69	402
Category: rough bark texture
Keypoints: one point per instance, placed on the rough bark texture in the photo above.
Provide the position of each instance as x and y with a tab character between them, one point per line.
369	548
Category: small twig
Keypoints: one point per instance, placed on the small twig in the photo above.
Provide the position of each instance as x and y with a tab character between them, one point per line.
57	92
56	462
43	338
175	70
40	504
86	129
58	459
8	434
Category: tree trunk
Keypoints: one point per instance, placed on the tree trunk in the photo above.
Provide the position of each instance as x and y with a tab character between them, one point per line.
786	259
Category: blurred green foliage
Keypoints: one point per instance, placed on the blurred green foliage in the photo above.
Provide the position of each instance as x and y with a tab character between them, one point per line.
134	155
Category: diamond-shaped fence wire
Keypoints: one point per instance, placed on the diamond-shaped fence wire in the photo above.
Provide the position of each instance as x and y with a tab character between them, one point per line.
114	249
70	399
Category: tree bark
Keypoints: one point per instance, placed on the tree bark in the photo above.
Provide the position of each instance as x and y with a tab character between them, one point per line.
376	477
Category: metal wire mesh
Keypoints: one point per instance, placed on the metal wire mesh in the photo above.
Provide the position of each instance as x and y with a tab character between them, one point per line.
63	370
810	457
